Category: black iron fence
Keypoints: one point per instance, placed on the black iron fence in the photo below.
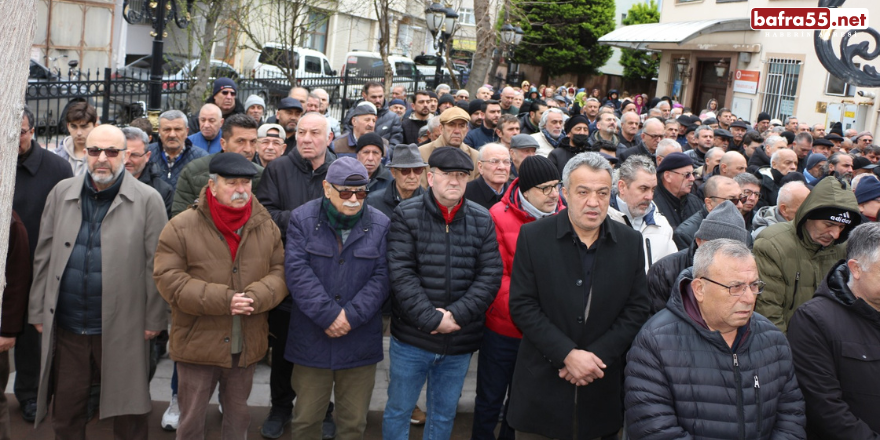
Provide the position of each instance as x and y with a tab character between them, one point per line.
122	96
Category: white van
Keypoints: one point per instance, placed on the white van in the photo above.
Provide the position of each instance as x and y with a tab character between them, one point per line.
308	63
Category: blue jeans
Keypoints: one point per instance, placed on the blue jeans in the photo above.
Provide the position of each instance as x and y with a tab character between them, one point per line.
410	366
495	364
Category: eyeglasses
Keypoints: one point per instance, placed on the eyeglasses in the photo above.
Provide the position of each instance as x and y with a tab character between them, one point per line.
747	194
734	199
227	92
136	155
686	175
408	171
110	152
548	189
346	194
656	137
496	162
24	132
739	288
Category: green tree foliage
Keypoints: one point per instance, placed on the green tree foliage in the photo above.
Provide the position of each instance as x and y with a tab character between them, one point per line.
561	35
637	64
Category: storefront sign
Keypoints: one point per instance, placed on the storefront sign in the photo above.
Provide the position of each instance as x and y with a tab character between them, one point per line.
746	81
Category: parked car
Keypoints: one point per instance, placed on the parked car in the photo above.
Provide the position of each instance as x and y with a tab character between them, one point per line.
361	67
311	70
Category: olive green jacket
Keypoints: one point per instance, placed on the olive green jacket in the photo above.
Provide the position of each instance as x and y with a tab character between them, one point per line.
791	263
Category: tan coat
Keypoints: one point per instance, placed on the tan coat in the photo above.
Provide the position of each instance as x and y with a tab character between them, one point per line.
130	303
195	273
427	149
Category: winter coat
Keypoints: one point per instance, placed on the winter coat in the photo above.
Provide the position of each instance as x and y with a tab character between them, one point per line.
594	138
684	381
385	200
65	151
326	276
213	146
835	342
655	230
18	280
759	160
479	192
791	263
564	153
509	217
526	126
34	179
170	174
150	177
698	157
193	178
770	184
480	136
765	216
197	276
687	230
381	179
675	209
548	303
638	149
130	303
410	127
544	146
663	276
387	124
433	264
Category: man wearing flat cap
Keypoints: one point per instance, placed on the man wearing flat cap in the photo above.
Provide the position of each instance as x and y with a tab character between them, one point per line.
521	147
337	274
288	114
454	128
220	292
445	270
722	138
672	196
738	130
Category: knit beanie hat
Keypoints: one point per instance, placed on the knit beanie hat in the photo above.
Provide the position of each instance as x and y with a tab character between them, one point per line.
763	116
868	189
397	101
254	100
446	99
475	106
535	170
370	138
725	221
223	84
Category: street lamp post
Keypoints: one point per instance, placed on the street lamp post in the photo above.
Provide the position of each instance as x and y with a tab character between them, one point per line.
157	13
441	21
511	37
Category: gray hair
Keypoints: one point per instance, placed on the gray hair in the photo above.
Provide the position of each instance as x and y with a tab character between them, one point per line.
746	178
713	151
772	140
706	253
633	164
433	123
593	161
212	177
657	106
655	112
803	137
136	134
788	119
775	157
442	87
591	99
864	245
490	146
548	113
703	128
671	121
173	115
665	145
786	192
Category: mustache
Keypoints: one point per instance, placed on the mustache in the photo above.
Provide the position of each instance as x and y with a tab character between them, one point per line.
241	196
348	204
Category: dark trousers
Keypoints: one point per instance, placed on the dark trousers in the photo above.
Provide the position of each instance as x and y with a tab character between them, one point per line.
495	363
76	358
281	391
27	364
197	384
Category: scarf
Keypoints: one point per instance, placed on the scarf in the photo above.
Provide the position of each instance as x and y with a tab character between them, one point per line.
228	220
553	142
340	222
530	209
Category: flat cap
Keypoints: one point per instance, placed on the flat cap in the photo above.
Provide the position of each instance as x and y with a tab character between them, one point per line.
289	103
523	141
740	124
674	161
231	165
347	171
824	142
451	159
363	108
720	132
834	137
453	114
863	163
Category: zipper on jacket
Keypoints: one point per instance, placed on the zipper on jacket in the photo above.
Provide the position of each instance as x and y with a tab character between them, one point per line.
740	411
797	279
760	415
448	281
648	251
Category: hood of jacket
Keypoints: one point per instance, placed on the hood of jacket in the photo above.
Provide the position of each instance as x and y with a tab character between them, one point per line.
835	288
829	193
766	216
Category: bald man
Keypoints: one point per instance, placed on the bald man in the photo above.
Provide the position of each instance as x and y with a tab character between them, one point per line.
732	164
210	122
718	189
507	105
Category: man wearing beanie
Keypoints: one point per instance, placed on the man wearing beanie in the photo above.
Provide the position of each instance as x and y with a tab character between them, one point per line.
370	151
398	106
529	121
445	102
486	133
868	197
793	257
575	141
533	195
417	119
673	194
763	122
255	107
475	110
335	333
633	206
718	189
224	96
814	167
724	221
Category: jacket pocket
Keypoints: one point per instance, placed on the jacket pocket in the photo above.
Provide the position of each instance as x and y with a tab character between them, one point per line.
366	253
860	352
857	362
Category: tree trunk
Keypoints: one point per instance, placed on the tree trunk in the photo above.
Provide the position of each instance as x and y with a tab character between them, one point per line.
199	90
485	47
18	33
381	8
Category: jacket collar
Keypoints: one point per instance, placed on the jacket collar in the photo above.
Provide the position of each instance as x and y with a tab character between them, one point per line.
564	228
392	196
33	161
432	208
127	190
835	287
306	166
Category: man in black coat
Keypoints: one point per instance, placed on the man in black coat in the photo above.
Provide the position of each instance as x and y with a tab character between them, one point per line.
579	302
673	197
137	163
833	337
494	166
36	173
719	189
445	270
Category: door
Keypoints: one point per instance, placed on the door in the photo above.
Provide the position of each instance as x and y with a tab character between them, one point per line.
709	86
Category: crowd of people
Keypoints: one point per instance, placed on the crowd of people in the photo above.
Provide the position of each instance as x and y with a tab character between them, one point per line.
615	263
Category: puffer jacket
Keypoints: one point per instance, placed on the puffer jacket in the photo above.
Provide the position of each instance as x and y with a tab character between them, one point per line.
664	274
509	217
684	381
195	273
150	176
325	277
791	263
432	264
765	216
193	178
835	341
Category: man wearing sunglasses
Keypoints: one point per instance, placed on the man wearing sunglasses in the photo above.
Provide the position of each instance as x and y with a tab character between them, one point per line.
337	274
708	365
675	176
224	95
406	168
718	190
93	277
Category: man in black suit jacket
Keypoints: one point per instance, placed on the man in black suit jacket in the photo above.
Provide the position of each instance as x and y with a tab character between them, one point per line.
579	301
494	167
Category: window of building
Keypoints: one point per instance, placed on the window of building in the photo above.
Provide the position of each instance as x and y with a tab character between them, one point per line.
835	86
780	88
315	36
466	16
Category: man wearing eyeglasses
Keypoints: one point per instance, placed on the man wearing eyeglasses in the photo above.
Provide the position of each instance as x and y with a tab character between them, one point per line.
794	257
445	270
494	166
270	143
652	133
673	196
337	274
718	189
93	277
708	366
406	168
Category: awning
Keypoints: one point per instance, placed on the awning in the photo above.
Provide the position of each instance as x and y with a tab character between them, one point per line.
639	36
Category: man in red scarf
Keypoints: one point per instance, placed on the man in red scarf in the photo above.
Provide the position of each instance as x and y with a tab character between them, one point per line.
220	293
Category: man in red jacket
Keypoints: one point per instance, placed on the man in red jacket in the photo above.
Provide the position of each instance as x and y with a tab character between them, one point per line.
532	196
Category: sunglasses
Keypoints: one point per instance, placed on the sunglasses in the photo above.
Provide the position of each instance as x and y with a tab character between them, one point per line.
408	171
109	152
346	194
227	92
